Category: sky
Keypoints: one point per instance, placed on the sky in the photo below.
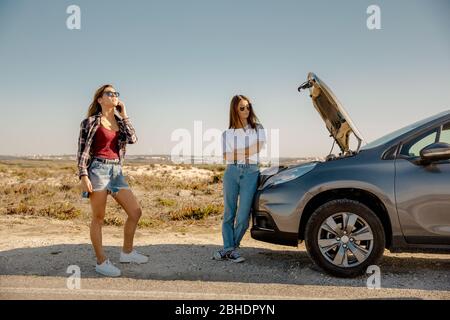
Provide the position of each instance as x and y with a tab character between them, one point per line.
176	62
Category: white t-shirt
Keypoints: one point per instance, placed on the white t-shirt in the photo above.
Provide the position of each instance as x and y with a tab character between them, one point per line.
239	138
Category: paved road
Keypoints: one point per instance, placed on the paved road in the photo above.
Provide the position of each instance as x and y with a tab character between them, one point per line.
35	287
34	261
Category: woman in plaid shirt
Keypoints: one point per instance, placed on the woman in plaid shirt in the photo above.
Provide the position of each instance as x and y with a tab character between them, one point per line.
101	151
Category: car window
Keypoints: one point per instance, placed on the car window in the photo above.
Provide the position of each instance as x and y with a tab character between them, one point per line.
445	133
399	132
412	148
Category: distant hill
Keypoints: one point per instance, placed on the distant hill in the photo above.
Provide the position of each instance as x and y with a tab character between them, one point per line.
161	159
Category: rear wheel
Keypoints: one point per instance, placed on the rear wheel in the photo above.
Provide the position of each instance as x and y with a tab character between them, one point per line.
344	237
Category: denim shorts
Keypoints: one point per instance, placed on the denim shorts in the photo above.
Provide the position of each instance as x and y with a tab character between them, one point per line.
106	176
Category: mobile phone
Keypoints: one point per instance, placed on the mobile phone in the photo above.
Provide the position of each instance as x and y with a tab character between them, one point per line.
85	194
119	108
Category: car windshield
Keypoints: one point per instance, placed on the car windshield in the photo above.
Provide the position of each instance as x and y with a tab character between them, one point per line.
399	132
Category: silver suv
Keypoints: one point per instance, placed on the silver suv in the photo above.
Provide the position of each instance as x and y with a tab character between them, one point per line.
392	193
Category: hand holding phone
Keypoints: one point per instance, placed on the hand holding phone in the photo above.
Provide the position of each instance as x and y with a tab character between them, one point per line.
121	109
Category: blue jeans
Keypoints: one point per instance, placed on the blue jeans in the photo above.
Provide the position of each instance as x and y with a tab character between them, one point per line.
239	180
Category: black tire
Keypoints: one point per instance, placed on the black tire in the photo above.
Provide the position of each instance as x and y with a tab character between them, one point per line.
329	209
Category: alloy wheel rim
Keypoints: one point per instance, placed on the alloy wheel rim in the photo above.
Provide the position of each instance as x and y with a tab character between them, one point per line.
345	239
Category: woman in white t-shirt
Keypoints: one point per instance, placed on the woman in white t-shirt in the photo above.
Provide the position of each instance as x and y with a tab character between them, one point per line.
241	143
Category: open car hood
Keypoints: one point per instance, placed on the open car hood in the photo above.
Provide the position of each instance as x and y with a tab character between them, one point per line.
332	112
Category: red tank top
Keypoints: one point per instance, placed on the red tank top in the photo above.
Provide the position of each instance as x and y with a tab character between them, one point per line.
106	143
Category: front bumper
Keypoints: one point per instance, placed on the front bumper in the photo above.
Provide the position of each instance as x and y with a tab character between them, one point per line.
265	229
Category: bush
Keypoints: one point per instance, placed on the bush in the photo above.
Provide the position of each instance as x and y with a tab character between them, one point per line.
61	211
148	223
218	177
166	202
21	208
113	221
58	210
195	212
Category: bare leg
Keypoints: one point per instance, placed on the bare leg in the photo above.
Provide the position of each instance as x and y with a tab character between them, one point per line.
128	202
98	205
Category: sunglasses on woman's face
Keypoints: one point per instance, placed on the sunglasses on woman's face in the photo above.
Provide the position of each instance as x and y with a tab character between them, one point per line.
111	94
248	107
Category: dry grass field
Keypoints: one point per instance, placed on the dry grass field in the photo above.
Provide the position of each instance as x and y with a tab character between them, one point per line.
171	196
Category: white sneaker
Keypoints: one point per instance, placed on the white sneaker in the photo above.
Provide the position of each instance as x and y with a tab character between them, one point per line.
133	256
107	269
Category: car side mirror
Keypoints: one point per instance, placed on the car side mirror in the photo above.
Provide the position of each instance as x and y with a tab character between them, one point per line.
435	152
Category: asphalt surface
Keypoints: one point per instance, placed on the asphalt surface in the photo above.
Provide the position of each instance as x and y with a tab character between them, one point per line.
34	260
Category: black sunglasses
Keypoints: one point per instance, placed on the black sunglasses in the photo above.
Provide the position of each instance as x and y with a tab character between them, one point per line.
248	107
111	94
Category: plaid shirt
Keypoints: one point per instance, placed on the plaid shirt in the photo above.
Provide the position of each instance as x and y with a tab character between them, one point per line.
88	128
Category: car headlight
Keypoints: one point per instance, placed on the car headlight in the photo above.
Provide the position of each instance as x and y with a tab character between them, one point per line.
289	174
271	171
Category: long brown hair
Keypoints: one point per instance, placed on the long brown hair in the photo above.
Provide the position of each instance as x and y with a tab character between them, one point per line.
95	107
235	121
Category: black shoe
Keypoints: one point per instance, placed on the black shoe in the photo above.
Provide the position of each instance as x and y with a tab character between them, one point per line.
235	256
220	255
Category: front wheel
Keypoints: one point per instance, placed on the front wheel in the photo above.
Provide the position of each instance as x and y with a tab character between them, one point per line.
344	237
